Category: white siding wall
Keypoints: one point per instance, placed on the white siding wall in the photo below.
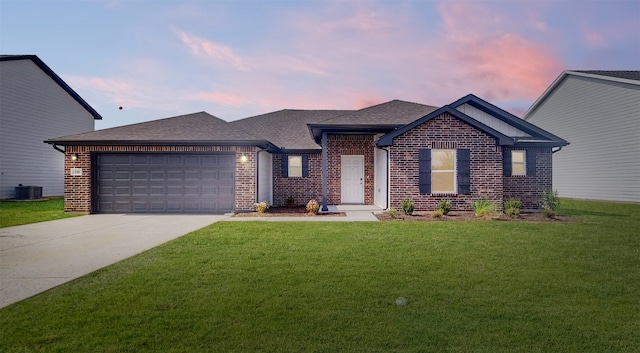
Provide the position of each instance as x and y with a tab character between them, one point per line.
34	108
265	177
601	121
491	121
381	178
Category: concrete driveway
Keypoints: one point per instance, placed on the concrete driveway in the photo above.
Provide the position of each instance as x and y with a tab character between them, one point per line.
40	256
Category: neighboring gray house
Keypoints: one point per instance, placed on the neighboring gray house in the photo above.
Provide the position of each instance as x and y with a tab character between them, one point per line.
599	113
36	104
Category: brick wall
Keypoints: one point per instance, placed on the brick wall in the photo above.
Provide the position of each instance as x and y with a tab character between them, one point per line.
78	192
445	132
301	189
358	145
528	189
304	189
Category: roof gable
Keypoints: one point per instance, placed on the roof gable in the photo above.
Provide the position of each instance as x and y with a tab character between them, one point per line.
380	118
535	133
56	79
625	77
501	139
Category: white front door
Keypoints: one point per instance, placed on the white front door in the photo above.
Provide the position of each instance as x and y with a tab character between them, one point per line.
352	176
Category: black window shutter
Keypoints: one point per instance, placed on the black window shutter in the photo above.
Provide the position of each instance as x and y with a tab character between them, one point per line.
464	171
506	162
285	166
424	158
531	162
305	166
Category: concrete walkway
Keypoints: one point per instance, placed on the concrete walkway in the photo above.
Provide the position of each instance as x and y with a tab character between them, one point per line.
353	213
39	256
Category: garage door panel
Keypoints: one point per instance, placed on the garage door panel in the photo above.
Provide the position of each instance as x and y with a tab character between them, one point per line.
121	206
142	175
157	175
193	191
122	159
175	175
159	182
226	176
195	175
122	175
139	159
156	206
139	191
227	161
173	160
175	190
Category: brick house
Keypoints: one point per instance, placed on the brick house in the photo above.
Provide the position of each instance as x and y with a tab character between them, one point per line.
464	151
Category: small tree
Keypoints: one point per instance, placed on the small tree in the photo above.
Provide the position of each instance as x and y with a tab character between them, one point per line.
550	203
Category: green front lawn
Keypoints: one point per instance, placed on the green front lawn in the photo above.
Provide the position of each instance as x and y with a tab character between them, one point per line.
478	286
14	213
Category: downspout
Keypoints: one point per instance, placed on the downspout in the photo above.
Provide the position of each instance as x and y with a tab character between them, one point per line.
387	176
325	171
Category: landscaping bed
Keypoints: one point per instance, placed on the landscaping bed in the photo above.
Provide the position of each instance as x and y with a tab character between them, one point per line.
425	216
299	211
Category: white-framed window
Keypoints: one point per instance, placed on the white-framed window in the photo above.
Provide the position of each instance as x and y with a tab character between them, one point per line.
295	166
443	171
518	163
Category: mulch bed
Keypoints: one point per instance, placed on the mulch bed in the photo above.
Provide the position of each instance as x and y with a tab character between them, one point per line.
422	216
300	211
470	216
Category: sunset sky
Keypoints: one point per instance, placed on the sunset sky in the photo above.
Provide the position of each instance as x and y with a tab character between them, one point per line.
236	59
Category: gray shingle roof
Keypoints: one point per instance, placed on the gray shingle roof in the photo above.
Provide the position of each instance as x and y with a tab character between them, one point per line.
196	127
629	75
395	112
287	128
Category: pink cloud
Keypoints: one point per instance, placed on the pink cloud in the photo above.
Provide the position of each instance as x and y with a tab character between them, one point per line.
118	91
216	52
223	98
498	63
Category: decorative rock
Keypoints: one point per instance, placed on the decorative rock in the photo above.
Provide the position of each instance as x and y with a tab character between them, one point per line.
401	301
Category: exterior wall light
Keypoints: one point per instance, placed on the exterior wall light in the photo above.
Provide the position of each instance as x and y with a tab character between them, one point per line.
243	159
74	157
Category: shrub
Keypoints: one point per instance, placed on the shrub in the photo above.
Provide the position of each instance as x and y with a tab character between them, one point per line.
313	207
290	201
550	203
484	208
261	207
437	213
407	206
444	206
392	212
512	207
